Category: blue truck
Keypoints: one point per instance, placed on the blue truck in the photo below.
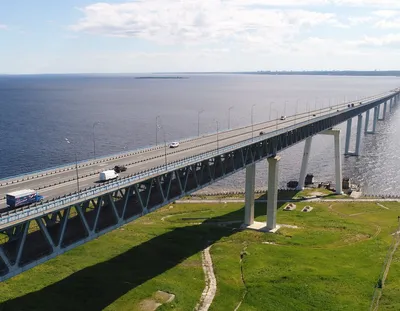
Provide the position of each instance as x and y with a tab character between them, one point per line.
22	197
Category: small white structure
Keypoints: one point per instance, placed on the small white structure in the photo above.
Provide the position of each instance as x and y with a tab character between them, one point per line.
307	209
290	207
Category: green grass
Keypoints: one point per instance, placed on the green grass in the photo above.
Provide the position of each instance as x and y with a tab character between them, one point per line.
330	262
282	195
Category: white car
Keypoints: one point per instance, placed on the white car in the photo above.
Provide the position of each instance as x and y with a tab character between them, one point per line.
283	117
174	144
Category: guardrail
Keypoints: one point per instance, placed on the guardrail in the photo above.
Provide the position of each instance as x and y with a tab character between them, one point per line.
83	195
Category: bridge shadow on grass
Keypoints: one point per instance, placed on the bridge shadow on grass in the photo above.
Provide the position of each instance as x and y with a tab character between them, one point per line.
98	286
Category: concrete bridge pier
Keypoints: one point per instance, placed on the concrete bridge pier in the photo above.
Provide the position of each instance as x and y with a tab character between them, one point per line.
375	119
249	195
366	122
385	109
382	118
358	137
379	113
338	159
348	136
272	200
272	197
304	164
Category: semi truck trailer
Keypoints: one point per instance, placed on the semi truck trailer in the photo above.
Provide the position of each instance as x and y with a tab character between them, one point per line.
22	197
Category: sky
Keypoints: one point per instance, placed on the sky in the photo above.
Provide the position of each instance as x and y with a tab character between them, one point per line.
116	36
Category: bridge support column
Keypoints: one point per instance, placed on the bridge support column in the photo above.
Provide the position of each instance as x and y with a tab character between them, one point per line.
379	113
348	136
338	159
272	201
249	196
358	139
376	112
366	123
304	164
384	110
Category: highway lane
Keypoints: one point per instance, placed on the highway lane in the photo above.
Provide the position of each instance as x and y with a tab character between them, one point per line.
196	147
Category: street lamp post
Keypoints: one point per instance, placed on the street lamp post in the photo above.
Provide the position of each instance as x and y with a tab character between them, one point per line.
284	108
157	128
217	134
252	123
94	140
165	151
76	166
198	121
297	107
270	110
229	117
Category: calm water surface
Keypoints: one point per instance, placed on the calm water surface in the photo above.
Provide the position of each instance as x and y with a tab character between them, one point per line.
38	112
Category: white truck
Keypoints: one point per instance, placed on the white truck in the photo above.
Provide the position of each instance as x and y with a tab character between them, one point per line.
107	175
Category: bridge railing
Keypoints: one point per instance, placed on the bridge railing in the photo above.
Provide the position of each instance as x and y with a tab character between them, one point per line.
21	213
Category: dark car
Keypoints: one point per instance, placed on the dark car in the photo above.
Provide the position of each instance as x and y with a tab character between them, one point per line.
119	168
262	133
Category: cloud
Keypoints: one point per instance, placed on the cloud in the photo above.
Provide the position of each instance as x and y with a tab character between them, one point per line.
368	3
202	22
389	40
386	13
3	26
386	24
359	20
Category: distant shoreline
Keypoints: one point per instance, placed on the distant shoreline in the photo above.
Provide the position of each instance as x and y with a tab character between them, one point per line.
161	77
184	75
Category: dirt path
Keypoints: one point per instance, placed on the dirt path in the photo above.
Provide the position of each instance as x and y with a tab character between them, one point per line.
379	204
379	289
242	254
209	291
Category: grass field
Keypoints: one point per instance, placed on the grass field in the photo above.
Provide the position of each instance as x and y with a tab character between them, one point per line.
282	195
332	261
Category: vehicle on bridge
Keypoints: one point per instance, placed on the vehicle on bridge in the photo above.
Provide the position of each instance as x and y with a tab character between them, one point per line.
283	117
22	197
119	168
174	144
108	175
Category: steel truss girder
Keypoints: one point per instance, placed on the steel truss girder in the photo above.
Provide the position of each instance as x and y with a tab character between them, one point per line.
58	232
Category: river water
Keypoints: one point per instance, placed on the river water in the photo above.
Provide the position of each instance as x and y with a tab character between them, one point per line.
39	112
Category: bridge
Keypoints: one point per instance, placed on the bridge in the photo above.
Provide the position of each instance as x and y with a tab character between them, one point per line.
78	209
